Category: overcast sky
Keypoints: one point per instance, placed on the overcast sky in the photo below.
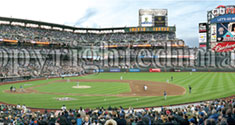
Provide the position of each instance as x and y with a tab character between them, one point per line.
185	14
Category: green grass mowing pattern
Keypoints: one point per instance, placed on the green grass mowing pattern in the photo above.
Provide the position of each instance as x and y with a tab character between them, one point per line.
96	88
205	86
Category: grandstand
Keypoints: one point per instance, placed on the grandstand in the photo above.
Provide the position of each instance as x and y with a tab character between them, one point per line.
21	36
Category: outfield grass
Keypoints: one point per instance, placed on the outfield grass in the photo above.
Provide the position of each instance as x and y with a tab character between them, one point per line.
205	86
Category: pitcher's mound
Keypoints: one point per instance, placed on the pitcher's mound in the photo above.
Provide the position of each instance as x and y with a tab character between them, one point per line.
81	87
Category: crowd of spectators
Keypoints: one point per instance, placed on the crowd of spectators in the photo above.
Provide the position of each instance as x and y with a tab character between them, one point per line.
59	64
84	40
216	112
28	34
34	68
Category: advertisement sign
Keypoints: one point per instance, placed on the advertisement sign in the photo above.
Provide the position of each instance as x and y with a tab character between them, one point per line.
222	10
226	32
134	70
159	21
202	37
224	19
224	47
194	70
68	75
154	70
99	70
213	32
146	20
114	70
202	27
202	45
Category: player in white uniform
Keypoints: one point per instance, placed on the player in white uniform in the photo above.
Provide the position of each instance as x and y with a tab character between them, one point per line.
145	88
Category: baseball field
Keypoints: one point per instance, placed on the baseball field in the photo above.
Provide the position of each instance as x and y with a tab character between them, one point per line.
107	89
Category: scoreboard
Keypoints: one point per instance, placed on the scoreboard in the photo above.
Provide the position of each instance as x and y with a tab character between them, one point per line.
153	17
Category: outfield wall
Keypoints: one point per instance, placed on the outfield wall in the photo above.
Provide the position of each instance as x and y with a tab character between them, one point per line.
113	70
178	69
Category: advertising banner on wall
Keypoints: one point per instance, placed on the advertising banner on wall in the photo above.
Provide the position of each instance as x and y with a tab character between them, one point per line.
99	70
146	20
213	32
202	37
202	45
134	70
114	70
226	32
154	70
224	47
224	19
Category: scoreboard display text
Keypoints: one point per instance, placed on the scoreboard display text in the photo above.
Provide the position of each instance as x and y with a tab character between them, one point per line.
159	21
150	29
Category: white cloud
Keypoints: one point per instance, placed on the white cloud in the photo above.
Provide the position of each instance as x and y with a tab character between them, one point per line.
57	11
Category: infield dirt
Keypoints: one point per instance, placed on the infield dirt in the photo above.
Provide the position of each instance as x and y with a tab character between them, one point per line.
136	86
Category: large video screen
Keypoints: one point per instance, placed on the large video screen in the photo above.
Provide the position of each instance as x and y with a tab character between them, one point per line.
226	32
159	21
146	20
